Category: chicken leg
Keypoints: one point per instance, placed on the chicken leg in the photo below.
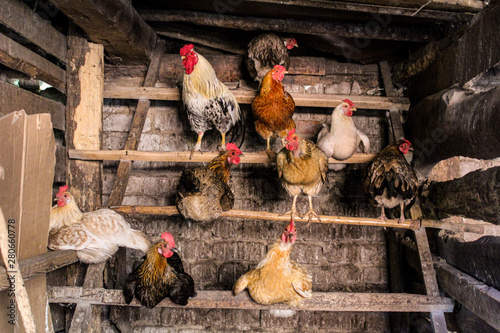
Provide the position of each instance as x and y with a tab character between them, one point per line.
311	212
402	217
293	212
382	214
197	147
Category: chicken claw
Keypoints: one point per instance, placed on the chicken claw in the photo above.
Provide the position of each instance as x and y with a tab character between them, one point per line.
310	214
271	155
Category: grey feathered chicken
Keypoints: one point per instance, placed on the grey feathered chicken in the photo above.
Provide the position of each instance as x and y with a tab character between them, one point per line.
265	51
390	180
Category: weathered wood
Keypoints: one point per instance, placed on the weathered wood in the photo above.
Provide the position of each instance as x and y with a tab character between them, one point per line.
61	164
246	97
185	156
440	126
456	64
113	23
14	98
18	57
476	196
482	300
124	168
445	5
479	258
40	265
430	281
385	69
357	302
267	216
316	27
21	19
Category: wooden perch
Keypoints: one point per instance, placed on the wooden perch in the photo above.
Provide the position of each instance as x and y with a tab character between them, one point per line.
246	97
236	213
357	302
184	156
39	265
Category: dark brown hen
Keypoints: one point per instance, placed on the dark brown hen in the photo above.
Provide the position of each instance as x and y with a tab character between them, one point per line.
390	180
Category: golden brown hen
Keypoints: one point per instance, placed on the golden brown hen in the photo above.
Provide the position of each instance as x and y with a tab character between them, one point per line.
273	107
277	279
390	180
203	192
302	167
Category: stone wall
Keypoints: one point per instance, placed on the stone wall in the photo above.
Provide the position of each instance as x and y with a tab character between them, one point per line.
340	257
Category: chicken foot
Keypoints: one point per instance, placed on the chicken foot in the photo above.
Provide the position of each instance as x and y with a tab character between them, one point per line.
197	146
310	213
382	214
293	212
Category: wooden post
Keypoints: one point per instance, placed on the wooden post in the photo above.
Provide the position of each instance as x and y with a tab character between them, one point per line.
85	78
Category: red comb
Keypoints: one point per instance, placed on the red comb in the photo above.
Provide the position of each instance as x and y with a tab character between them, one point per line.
281	68
186	49
291	226
62	189
408	142
351	104
167	237
232	146
292	132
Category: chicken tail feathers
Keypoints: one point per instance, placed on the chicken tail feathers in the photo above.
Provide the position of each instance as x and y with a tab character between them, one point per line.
138	240
241	284
238	131
129	289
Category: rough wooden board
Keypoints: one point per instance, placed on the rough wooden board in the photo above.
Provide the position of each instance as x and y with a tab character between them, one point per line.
482	300
135	132
28	157
385	69
185	156
358	302
21	19
114	24
246	97
18	57
14	98
39	265
445	5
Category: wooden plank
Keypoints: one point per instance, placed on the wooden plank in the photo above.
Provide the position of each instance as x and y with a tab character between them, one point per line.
18	57
481	299
385	69
268	216
124	168
39	265
113	23
308	27
21	19
430	281
14	98
356	302
444	5
185	156
246	97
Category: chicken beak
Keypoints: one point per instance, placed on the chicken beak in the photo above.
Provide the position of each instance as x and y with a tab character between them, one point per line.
354	109
286	72
174	249
183	57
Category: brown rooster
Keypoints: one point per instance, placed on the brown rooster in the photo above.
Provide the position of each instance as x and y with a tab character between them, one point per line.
265	51
95	235
277	279
208	102
341	138
160	275
302	167
390	180
203	192
273	107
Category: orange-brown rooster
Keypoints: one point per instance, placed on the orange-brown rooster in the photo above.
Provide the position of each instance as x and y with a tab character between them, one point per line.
341	138
277	279
273	107
95	235
267	50
208	102
390	180
160	275
203	192
302	167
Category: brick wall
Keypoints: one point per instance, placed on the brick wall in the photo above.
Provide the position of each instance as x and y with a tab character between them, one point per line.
340	257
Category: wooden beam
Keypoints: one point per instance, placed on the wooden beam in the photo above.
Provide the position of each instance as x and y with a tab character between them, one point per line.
21	19
134	135
18	57
444	5
113	23
184	156
308	27
356	302
482	300
246	97
39	265
267	216
14	98
476	195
